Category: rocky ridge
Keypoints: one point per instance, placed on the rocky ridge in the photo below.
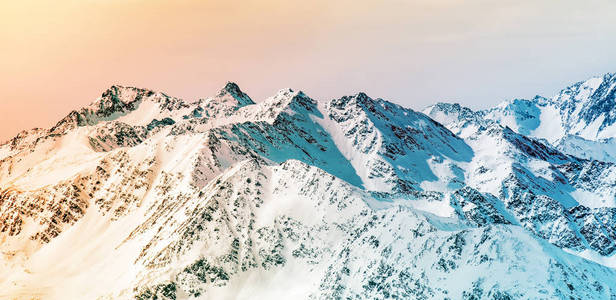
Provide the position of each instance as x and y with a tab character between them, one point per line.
142	195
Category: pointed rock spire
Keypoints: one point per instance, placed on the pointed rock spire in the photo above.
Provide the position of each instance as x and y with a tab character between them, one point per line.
233	90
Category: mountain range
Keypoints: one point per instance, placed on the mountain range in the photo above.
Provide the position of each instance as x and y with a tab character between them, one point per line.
141	195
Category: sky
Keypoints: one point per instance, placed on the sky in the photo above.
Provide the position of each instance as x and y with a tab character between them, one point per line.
57	56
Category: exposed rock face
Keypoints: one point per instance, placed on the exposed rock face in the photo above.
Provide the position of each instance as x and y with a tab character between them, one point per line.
141	195
543	188
476	208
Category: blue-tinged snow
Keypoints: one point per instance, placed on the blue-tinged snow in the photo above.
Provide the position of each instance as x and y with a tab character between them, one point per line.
294	135
294	198
393	148
520	115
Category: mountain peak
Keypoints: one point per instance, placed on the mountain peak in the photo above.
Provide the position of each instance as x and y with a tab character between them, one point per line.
370	105
446	113
362	96
124	93
208	198
359	99
445	106
294	99
231	87
233	90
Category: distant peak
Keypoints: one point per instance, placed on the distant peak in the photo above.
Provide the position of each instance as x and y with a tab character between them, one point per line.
361	99
447	105
232	89
292	99
286	95
119	89
362	96
294	96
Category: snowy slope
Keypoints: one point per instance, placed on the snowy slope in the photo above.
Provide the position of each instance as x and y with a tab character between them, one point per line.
142	195
602	149
577	120
566	200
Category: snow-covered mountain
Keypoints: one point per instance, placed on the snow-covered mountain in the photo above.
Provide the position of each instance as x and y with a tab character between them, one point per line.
580	120
142	195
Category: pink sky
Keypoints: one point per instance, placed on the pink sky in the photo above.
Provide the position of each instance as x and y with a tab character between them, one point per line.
57	56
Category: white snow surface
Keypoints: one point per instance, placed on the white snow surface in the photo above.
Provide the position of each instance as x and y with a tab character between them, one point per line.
142	195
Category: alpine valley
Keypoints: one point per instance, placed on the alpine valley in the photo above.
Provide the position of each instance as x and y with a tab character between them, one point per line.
141	195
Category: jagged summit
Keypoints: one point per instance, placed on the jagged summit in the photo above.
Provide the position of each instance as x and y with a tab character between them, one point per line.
359	99
576	119
117	102
451	112
593	100
291	197
231	87
121	92
293	99
233	90
586	109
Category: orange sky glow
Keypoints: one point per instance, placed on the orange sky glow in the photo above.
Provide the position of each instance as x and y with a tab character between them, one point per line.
56	56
